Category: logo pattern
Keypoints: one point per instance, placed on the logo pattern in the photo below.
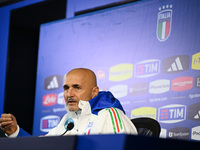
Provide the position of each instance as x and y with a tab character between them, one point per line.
147	68
179	133
182	84
195	133
172	113
53	82
197	82
138	89
162	81
159	86
194	112
176	64
196	61
121	72
49	99
49	122
164	23
144	112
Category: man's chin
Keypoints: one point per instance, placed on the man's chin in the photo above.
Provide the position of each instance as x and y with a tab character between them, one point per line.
73	109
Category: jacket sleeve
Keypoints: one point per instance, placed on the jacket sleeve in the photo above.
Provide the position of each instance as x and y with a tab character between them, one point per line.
113	121
19	133
23	133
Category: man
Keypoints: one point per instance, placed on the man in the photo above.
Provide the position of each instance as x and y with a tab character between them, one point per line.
91	111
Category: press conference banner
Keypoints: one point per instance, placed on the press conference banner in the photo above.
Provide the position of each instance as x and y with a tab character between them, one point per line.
146	53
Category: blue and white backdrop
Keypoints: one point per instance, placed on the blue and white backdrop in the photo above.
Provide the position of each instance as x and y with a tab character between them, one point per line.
146	53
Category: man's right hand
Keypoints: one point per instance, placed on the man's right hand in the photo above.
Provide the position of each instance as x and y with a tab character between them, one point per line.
8	123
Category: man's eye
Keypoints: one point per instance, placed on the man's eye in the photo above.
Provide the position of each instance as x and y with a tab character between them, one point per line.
65	87
78	88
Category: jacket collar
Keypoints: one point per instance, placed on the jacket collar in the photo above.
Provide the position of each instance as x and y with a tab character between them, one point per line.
84	108
104	100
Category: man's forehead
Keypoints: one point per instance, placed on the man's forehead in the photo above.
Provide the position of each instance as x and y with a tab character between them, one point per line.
80	76
74	79
75	76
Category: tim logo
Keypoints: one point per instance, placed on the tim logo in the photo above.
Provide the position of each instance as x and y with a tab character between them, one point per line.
182	84
49	122
53	82
49	100
172	113
147	68
196	61
164	22
176	64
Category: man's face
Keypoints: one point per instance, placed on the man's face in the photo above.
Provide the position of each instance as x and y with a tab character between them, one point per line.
77	87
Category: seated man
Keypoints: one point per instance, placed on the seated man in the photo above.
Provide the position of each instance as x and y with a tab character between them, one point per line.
91	111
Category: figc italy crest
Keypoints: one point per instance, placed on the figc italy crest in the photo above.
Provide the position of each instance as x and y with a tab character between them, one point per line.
164	22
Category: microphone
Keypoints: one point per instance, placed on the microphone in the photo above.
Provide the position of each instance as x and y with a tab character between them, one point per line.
68	127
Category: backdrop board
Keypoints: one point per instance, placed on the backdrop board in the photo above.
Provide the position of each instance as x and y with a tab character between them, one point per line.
146	53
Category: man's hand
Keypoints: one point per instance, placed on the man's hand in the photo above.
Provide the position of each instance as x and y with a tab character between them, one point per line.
8	123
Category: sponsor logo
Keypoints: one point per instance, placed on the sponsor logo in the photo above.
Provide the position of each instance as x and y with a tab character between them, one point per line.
182	84
157	99
88	128
194	112
194	96
100	74
53	82
163	133
119	90
176	64
121	72
61	99
49	100
138	89
144	112
49	122
147	68
164	22
159	86
196	61
195	134
179	133
90	124
59	109
197	82
172	113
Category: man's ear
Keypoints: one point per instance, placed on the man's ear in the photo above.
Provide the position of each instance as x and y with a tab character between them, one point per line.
95	91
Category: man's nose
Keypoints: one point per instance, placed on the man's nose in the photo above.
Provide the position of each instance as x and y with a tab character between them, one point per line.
70	92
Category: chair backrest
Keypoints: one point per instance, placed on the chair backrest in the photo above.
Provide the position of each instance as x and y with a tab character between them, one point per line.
147	126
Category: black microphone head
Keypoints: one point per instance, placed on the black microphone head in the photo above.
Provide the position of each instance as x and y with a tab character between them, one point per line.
70	126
